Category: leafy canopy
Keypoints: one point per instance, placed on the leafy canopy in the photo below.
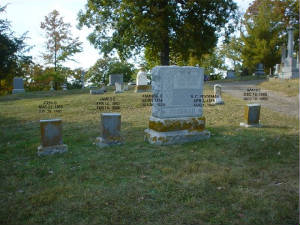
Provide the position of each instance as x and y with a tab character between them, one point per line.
166	27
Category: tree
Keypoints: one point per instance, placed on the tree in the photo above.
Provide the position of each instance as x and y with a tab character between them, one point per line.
100	72
60	44
12	55
165	27
265	23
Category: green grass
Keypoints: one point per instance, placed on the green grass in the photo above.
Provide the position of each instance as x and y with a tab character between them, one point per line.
289	87
238	176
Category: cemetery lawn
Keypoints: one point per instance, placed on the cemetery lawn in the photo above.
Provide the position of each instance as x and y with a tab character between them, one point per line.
288	87
238	176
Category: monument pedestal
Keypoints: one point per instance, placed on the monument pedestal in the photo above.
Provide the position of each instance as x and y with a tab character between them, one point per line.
16	91
142	88
50	150
175	130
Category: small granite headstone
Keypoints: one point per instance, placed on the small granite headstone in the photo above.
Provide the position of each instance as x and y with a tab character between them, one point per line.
18	84
230	74
259	70
51	86
110	130
252	114
177	108
113	78
51	137
64	87
96	91
218	93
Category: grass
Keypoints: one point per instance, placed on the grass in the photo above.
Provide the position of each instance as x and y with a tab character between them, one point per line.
289	87
239	78
238	176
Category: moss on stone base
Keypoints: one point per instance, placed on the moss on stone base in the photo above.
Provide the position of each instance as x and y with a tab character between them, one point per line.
165	125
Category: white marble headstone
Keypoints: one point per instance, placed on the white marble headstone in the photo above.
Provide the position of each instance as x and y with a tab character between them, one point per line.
118	87
141	78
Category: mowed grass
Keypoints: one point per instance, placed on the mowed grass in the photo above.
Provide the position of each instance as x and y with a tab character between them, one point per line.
238	176
288	87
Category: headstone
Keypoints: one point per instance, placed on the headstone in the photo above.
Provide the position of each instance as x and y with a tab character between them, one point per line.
252	114
177	115
277	70
218	93
51	137
110	130
18	85
259	69
64	87
113	78
142	82
290	66
51	86
230	74
96	91
118	87
125	87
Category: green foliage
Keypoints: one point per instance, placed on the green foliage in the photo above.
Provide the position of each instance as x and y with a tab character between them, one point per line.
99	73
167	29
60	44
265	23
12	55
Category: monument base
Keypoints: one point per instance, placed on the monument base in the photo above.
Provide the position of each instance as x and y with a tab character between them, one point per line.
50	150
142	88
175	130
102	143
16	91
250	125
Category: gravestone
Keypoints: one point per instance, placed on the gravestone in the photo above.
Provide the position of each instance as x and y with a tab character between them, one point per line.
64	87
230	74
125	87
110	130
113	78
289	64
96	91
277	70
18	85
118	88
218	95
177	115
142	82
51	137
51	86
259	69
252	114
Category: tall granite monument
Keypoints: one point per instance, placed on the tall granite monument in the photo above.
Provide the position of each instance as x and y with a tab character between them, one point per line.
177	114
289	64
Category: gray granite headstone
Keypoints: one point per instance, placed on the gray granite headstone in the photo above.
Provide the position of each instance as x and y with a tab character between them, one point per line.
18	85
252	115
259	69
177	105
113	78
230	74
110	130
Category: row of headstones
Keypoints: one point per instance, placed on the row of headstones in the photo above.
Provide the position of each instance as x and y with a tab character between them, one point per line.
175	118
110	126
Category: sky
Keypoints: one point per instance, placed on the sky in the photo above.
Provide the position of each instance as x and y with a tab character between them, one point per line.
27	15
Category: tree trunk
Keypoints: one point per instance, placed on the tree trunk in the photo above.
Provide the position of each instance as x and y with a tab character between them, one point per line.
165	43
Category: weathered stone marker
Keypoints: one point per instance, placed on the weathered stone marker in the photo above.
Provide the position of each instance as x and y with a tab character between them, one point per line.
259	69
110	130
230	74
252	113
96	91
113	78
125	87
218	93
51	137
118	87
18	85
176	118
142	82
